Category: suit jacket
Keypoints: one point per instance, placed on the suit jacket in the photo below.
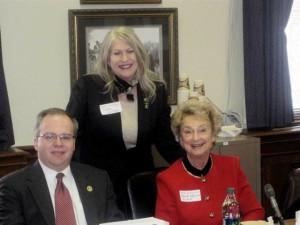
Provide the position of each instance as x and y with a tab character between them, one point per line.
176	208
25	197
100	141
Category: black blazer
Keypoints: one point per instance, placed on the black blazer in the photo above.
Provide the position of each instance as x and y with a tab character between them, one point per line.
100	141
25	197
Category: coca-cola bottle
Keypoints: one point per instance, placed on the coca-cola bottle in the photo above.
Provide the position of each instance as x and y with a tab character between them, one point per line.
231	209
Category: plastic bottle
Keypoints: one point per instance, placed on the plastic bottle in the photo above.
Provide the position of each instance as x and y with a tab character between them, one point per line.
231	209
183	91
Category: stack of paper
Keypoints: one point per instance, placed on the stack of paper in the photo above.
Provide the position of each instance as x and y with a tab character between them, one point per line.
144	221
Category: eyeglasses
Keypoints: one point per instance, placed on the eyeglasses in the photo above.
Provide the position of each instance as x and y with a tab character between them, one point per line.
51	137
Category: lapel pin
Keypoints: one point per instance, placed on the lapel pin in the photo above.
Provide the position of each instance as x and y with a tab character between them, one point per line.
89	188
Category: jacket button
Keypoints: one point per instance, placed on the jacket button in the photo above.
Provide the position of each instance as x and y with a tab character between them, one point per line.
212	215
207	198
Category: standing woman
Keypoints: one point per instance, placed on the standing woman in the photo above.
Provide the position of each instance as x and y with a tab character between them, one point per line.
122	111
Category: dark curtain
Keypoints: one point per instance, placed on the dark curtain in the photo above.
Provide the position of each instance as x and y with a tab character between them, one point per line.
267	81
6	129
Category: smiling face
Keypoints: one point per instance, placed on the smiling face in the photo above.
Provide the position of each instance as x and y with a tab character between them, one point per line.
55	154
122	60
196	136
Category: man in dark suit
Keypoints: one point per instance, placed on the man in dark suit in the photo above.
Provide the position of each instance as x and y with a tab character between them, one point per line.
27	196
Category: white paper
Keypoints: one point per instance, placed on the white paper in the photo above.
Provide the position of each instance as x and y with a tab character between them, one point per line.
229	131
297	217
270	220
190	196
110	108
144	221
256	222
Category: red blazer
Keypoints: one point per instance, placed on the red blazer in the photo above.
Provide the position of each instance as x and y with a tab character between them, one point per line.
225	172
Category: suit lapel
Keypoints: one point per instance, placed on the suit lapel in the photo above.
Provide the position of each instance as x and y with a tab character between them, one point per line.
144	113
113	120
38	185
86	194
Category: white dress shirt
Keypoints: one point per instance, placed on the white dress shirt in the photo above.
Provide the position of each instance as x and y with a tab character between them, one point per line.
69	182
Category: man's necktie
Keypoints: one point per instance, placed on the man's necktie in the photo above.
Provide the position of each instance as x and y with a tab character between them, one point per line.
63	203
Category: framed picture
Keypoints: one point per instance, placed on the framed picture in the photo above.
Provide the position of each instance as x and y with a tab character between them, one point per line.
119	1
157	29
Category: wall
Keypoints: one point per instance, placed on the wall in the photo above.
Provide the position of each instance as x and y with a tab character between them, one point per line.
35	48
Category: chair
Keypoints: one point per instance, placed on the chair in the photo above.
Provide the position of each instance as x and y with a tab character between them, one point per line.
141	190
290	198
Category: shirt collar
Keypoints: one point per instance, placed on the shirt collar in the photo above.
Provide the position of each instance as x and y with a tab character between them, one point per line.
50	174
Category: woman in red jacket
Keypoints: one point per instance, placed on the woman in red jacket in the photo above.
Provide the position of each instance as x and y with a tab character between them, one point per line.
191	191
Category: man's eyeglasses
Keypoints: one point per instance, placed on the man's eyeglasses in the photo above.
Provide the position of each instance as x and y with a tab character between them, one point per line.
51	137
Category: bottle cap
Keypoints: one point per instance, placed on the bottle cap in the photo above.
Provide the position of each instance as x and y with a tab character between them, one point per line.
198	83
230	190
199	87
183	77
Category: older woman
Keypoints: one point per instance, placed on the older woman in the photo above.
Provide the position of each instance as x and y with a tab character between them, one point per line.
191	191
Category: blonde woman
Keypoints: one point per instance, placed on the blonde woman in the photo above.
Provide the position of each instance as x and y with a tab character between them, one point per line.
122	111
191	191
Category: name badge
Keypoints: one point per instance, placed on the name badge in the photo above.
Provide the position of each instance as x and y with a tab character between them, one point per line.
190	196
110	108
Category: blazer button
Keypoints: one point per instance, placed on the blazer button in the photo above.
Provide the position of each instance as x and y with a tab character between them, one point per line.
203	179
212	215
207	198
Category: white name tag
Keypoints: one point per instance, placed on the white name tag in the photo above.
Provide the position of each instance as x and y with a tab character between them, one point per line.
110	108
190	196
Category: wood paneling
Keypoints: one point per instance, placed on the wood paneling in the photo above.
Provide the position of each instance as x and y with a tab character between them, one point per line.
11	160
280	153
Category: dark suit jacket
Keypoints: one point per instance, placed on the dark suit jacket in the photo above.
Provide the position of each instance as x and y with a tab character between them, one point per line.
100	140
25	197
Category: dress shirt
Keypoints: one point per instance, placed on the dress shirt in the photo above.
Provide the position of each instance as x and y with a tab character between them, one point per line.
69	182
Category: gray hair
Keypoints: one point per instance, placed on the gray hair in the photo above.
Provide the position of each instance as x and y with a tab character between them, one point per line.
53	111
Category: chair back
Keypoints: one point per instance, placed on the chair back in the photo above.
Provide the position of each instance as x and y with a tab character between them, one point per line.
290	198
142	191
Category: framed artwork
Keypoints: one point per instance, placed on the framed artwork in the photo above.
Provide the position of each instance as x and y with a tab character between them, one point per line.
157	29
119	1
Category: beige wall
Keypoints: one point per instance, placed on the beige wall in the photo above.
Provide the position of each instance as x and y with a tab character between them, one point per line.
35	48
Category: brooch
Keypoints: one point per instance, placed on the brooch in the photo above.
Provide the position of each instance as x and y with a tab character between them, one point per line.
146	103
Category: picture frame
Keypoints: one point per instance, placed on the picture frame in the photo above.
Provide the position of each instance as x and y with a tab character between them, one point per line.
157	28
120	1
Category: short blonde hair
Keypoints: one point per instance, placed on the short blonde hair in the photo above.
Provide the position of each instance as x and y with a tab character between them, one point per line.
203	110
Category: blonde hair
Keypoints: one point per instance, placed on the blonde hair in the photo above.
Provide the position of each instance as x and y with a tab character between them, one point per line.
203	110
144	75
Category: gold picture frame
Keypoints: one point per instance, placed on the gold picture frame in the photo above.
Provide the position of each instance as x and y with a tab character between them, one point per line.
120	1
158	27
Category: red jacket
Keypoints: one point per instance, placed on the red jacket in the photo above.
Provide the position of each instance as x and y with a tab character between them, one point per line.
192	209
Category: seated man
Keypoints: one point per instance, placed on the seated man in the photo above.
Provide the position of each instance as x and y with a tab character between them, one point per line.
35	195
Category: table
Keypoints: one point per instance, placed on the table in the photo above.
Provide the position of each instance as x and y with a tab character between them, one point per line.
289	222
